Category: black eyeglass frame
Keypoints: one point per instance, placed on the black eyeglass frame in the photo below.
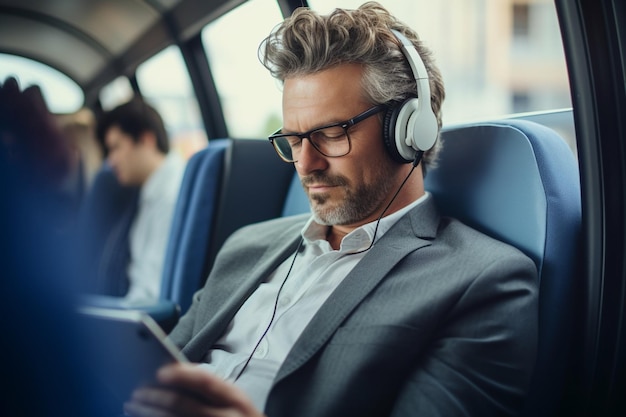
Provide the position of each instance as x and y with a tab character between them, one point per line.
306	135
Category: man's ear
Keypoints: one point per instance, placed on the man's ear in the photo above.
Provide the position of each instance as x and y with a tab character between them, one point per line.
148	138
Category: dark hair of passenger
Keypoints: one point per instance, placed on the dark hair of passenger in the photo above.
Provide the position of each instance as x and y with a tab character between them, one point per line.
134	118
30	139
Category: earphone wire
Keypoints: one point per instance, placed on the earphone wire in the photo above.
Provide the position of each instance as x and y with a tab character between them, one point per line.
415	163
267	329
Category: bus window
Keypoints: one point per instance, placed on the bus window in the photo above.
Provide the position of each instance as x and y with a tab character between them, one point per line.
115	93
496	57
250	97
61	93
164	82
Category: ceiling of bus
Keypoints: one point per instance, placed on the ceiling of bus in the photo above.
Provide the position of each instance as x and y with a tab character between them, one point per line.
93	40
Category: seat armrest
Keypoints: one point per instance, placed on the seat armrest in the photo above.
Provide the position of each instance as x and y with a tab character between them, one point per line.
166	313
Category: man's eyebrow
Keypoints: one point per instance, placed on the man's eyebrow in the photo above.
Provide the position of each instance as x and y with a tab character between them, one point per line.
284	130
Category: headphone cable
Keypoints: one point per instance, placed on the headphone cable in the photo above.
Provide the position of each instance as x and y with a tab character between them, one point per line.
415	163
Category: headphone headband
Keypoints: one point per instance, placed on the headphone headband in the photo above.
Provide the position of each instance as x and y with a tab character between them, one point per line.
418	68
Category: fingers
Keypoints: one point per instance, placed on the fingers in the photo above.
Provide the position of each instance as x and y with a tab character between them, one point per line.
164	402
187	390
205	385
136	408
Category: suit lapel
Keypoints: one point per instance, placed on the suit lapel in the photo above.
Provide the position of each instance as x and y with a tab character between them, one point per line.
226	297
411	232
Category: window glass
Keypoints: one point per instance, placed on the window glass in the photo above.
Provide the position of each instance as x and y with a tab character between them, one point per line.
250	97
521	21
497	57
115	93
61	93
164	82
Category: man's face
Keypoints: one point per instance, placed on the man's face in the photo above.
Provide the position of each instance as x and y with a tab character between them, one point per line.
126	157
348	190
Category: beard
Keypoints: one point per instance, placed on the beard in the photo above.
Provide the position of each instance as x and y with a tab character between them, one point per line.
360	201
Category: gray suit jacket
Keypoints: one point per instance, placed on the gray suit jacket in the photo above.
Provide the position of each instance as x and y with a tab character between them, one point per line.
436	320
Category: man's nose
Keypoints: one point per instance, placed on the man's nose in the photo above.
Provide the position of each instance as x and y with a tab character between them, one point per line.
310	159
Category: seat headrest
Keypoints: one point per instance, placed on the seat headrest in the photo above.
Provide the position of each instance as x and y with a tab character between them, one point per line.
506	178
296	201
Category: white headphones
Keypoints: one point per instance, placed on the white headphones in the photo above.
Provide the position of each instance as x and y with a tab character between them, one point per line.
411	126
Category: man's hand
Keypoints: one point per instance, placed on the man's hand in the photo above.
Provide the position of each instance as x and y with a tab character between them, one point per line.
187	390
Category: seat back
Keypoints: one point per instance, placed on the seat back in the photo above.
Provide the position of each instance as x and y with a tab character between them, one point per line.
192	224
254	189
104	223
232	183
296	201
518	181
188	245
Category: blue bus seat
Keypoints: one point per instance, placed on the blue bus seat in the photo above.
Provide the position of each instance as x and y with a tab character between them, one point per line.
296	201
104	222
193	223
191	226
232	183
518	181
254	187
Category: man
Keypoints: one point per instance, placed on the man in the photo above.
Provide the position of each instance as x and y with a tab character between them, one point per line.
375	305
138	153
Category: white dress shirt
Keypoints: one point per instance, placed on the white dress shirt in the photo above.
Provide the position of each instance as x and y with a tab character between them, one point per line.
150	230
317	270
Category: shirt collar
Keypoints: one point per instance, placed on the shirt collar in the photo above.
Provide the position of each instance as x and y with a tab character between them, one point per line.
360	238
152	187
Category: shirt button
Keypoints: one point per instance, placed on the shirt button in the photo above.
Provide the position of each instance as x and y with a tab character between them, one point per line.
284	301
261	351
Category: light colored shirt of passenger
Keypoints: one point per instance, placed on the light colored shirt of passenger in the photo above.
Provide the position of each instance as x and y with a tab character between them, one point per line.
316	273
150	230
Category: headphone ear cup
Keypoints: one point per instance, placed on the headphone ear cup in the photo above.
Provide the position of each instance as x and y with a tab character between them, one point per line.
415	125
389	133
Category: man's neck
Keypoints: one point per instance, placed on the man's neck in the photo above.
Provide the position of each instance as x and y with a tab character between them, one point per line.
153	165
334	236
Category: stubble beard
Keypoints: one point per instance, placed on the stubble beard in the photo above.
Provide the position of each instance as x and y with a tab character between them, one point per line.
359	203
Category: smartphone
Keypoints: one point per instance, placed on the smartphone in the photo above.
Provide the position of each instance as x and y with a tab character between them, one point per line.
126	348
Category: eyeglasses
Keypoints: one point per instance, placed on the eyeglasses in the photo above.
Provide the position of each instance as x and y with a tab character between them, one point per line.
331	140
